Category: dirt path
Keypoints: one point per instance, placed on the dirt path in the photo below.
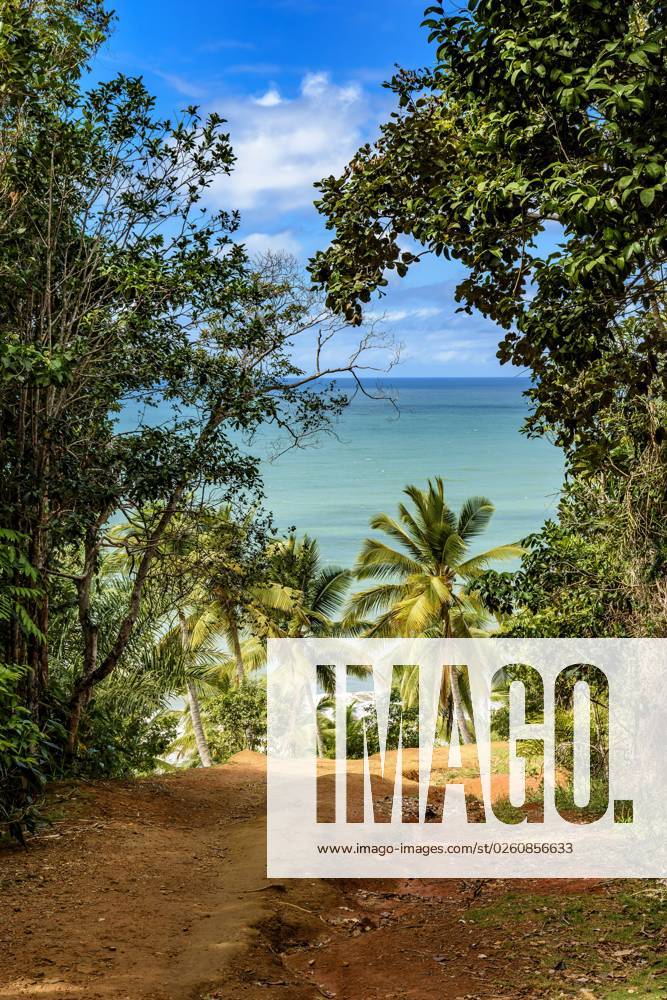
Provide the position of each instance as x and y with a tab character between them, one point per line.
155	890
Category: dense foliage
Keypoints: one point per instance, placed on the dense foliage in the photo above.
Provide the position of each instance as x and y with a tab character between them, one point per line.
121	293
236	720
362	731
534	152
533	117
115	743
137	343
537	125
25	759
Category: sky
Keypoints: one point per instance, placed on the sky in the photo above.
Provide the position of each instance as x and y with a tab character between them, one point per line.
300	84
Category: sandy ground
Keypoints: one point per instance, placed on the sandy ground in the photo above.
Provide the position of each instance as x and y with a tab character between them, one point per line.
156	890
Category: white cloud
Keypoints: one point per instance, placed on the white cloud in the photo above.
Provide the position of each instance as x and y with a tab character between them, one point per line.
400	315
284	145
271	99
317	86
282	242
427	312
314	85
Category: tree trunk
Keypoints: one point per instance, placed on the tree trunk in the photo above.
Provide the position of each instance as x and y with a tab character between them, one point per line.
193	699
236	649
459	708
657	315
37	648
457	700
197	727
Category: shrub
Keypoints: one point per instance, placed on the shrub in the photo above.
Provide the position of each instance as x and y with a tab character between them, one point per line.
113	744
236	720
25	758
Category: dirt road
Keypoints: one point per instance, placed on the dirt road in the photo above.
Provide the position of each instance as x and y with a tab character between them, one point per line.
156	890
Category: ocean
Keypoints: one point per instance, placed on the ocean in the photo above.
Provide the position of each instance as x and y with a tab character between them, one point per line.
466	430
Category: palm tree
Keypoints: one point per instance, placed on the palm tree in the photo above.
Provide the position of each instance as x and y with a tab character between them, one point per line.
219	590
425	575
294	600
320	590
188	743
243	599
187	659
257	608
192	641
326	725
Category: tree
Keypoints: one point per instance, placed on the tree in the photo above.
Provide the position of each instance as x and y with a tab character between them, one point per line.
426	577
104	266
598	571
118	291
298	597
25	756
320	595
218	558
532	115
17	582
25	759
236	719
249	372
232	591
124	729
320	591
195	649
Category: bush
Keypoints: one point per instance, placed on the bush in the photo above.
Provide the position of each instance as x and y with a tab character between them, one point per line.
236	720
113	744
25	759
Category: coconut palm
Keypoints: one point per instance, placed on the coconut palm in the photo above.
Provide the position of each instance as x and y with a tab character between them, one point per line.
195	638
236	589
326	725
295	599
302	598
188	744
296	564
322	591
425	572
253	612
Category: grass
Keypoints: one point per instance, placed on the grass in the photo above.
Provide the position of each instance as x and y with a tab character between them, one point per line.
597	805
499	765
606	943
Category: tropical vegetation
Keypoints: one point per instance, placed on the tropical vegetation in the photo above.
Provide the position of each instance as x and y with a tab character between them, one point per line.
535	117
140	575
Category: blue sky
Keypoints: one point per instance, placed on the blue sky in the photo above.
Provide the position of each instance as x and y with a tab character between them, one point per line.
299	82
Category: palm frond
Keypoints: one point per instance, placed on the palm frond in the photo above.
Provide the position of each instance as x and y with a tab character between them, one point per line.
474	517
391	527
472	567
419	612
330	588
369	602
377	559
453	551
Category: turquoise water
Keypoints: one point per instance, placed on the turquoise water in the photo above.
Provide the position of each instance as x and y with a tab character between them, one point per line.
465	430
